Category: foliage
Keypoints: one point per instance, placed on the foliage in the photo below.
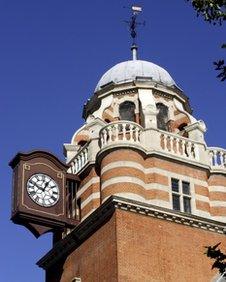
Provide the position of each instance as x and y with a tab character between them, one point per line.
219	257
214	12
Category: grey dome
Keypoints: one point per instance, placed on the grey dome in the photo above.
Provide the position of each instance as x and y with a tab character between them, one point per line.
129	70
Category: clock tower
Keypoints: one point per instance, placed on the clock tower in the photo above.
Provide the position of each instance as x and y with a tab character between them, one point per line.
140	194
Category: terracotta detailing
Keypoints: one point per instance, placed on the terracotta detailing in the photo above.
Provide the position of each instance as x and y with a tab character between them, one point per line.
81	137
107	116
179	122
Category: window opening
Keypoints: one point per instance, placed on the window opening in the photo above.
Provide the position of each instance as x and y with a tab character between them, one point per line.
127	111
162	116
82	143
71	201
181	195
182	130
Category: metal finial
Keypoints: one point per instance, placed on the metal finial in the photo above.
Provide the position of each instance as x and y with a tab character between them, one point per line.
132	28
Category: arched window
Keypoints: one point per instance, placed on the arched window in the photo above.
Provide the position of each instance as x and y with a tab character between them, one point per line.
162	116
182	126
127	111
182	130
82	143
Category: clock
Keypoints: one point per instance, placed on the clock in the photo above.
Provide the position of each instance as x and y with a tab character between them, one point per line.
43	190
41	194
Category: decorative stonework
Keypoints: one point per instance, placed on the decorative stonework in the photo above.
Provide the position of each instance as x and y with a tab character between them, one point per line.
125	92
165	95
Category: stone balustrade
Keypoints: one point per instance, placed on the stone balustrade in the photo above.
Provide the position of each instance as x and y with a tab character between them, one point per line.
149	140
80	160
217	157
120	132
180	146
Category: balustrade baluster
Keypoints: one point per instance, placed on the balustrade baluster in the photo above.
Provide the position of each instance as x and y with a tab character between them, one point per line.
221	157
87	154
211	158
123	131
79	162
74	164
215	157
109	135
171	144
189	145
177	146
73	167
137	134
224	159
164	141
183	147
104	137
131	132
82	159
116	132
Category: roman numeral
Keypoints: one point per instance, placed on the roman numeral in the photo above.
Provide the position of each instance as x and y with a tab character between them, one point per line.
53	198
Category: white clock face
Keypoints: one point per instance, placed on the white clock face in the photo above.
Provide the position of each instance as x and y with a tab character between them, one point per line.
43	190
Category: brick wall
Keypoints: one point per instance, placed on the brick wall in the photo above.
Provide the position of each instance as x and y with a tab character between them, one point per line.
132	247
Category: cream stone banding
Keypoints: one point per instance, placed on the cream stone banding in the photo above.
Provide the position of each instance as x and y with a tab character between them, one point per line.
217	189
202	198
136	165
93	180
136	197
84	217
218	204
122	179
93	196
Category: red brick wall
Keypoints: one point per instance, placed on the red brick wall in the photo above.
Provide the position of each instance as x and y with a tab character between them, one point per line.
94	260
150	249
132	247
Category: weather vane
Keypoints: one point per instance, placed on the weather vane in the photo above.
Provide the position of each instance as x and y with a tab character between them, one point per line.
132	23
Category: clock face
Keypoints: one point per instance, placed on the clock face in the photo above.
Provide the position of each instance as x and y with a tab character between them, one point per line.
43	190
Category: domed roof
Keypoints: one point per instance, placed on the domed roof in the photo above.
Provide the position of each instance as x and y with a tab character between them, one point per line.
129	70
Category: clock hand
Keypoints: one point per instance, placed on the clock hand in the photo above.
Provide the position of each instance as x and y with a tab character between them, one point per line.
39	187
46	184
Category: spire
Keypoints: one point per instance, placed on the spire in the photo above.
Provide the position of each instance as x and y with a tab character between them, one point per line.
134	48
133	29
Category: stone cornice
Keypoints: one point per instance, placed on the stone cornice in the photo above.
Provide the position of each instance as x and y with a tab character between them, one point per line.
86	228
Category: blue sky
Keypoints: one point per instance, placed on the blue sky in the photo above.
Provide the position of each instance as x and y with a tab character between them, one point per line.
52	54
